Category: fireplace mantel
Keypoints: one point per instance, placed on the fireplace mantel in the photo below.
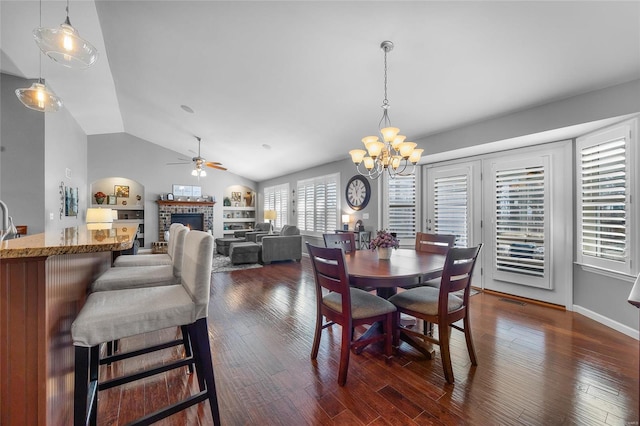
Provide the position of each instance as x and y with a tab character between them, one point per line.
186	203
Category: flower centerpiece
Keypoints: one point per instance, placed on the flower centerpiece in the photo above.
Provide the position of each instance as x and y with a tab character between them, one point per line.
383	243
100	196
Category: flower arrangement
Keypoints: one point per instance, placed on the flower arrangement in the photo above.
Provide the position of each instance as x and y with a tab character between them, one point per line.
384	239
100	194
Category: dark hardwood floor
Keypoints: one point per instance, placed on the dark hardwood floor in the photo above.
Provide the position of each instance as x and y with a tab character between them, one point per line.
536	366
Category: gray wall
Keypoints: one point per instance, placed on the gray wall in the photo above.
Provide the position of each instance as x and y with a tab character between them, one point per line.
126	156
22	156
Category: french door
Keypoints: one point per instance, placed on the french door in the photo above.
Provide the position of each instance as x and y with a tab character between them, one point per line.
519	205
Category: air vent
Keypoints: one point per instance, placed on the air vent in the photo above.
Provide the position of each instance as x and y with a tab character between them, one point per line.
515	302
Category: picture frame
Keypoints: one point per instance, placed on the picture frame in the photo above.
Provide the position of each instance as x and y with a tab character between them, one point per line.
178	190
196	191
112	200
121	191
169	197
71	201
236	196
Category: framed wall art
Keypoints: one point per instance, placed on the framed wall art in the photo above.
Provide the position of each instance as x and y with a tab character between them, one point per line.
71	201
121	191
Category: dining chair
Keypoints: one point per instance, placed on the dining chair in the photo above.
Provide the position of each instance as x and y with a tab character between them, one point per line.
346	306
434	243
344	240
443	306
112	315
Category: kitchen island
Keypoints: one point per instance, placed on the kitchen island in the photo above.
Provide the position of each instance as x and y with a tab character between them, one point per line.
43	284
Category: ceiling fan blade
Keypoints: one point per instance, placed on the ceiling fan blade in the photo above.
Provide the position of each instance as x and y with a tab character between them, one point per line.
174	164
184	159
217	163
213	166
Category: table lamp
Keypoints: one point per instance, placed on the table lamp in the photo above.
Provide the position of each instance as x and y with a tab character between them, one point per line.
98	218
345	222
270	215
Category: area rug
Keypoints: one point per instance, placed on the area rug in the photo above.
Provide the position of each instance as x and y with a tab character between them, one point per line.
223	264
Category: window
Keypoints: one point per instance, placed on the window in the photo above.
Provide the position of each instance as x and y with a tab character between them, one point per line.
402	207
277	198
318	204
605	219
451	206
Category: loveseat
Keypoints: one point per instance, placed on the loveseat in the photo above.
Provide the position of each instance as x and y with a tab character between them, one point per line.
286	245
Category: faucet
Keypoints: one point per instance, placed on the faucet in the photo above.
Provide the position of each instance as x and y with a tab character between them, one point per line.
7	230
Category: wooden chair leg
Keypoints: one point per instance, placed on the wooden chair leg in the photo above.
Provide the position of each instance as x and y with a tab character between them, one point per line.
389	334
396	329
469	339
316	337
202	350
345	351
444	335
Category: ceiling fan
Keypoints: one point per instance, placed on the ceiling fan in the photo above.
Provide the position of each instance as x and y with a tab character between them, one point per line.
200	162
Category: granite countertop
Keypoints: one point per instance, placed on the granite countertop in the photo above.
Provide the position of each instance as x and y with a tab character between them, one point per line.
77	239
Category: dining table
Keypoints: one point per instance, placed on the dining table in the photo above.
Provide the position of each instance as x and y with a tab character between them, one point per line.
405	268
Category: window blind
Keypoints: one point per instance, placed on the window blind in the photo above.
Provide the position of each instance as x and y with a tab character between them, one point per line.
451	207
277	198
318	204
402	206
520	220
603	200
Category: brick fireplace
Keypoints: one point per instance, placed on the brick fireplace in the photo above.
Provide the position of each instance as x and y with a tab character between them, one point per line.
168	208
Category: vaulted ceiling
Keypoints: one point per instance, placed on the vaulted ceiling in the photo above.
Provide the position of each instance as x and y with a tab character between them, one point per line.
305	78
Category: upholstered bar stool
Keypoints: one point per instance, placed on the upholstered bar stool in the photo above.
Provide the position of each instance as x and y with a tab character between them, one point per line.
153	259
112	315
146	276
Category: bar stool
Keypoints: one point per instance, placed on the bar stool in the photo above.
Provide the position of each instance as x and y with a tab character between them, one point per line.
112	315
146	276
152	259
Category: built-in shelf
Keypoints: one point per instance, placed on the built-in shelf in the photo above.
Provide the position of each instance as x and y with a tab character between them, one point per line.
238	218
186	203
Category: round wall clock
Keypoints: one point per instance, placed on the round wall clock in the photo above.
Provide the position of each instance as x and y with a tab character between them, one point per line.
358	192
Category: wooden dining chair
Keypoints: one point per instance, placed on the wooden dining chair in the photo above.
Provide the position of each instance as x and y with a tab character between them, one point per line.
346	306
345	240
434	243
443	306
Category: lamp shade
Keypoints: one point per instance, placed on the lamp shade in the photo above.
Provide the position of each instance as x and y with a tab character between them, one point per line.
345	218
65	46
38	97
270	214
98	218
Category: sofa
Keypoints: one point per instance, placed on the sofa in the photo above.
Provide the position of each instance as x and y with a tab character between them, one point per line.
286	245
261	228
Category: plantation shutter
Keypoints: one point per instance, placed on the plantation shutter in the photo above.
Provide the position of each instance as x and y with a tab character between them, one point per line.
451	207
603	179
318	204
521	222
402	206
277	198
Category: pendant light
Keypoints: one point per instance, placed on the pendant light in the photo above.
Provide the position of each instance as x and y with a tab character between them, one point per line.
38	97
65	46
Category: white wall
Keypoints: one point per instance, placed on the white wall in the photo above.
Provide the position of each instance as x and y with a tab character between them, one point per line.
126	156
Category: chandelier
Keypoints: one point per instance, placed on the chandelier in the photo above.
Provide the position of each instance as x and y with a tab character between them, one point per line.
393	154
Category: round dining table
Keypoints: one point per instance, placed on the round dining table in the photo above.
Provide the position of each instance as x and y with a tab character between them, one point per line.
407	267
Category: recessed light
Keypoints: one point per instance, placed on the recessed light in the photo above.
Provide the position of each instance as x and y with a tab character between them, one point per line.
266	146
187	108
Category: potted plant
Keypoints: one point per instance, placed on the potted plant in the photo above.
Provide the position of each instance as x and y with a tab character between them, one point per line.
383	243
100	197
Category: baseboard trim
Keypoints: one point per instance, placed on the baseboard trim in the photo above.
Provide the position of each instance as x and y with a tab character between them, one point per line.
524	299
624	329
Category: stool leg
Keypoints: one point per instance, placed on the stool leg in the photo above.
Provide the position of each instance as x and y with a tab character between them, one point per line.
186	342
94	360
200	339
81	382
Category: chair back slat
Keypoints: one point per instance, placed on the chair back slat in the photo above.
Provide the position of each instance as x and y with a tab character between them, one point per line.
434	243
330	272
457	273
344	240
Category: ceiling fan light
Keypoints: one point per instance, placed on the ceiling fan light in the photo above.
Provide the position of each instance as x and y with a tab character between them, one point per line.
65	46
38	97
194	172
203	173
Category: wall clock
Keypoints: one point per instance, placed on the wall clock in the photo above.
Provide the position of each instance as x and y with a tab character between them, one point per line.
358	192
